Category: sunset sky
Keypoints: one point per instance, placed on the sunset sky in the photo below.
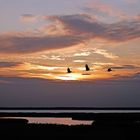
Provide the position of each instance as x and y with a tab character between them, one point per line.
40	39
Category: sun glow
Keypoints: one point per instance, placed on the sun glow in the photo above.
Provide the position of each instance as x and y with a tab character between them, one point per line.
71	76
55	72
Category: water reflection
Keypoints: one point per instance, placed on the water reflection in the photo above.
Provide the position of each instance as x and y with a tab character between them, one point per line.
54	120
70	111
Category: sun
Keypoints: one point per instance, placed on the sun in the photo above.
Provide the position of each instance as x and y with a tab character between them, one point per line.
69	76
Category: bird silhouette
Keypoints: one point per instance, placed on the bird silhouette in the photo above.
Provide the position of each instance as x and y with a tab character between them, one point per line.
87	67
109	70
68	70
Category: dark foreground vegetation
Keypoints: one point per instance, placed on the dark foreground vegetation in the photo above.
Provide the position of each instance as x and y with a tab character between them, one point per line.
111	126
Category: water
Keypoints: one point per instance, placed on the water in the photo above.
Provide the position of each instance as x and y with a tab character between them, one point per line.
65	121
53	120
70	111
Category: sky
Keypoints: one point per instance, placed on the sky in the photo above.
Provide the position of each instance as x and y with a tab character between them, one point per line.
40	39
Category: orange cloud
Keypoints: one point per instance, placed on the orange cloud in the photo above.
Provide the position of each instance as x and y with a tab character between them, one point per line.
23	44
79	61
9	64
98	71
100	8
105	53
29	18
77	29
82	54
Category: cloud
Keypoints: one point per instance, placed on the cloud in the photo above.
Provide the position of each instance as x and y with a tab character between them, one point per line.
125	67
105	53
28	18
102	63
42	93
4	82
101	9
79	61
9	64
91	28
136	76
82	24
102	52
55	27
78	29
124	30
25	44
82	54
55	57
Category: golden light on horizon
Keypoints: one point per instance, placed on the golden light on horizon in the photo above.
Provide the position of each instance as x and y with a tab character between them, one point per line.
59	73
69	76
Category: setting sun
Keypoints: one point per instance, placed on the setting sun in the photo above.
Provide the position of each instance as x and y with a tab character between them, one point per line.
72	76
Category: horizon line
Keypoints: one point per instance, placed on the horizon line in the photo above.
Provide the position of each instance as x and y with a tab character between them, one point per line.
69	108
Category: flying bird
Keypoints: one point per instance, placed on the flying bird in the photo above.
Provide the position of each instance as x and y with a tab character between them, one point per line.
68	70
109	70
87	67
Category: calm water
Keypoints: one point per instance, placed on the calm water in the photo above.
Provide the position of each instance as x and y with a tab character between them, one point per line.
53	120
71	111
65	121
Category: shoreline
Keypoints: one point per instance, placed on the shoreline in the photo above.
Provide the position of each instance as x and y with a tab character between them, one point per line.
111	126
79	116
70	108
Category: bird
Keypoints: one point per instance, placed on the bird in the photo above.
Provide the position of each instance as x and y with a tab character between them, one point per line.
109	70
68	70
87	67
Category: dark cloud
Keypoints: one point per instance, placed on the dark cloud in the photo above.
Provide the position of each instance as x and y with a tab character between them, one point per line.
125	67
36	92
78	28
28	18
9	64
34	44
136	76
133	78
28	15
103	10
82	24
124	30
119	31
